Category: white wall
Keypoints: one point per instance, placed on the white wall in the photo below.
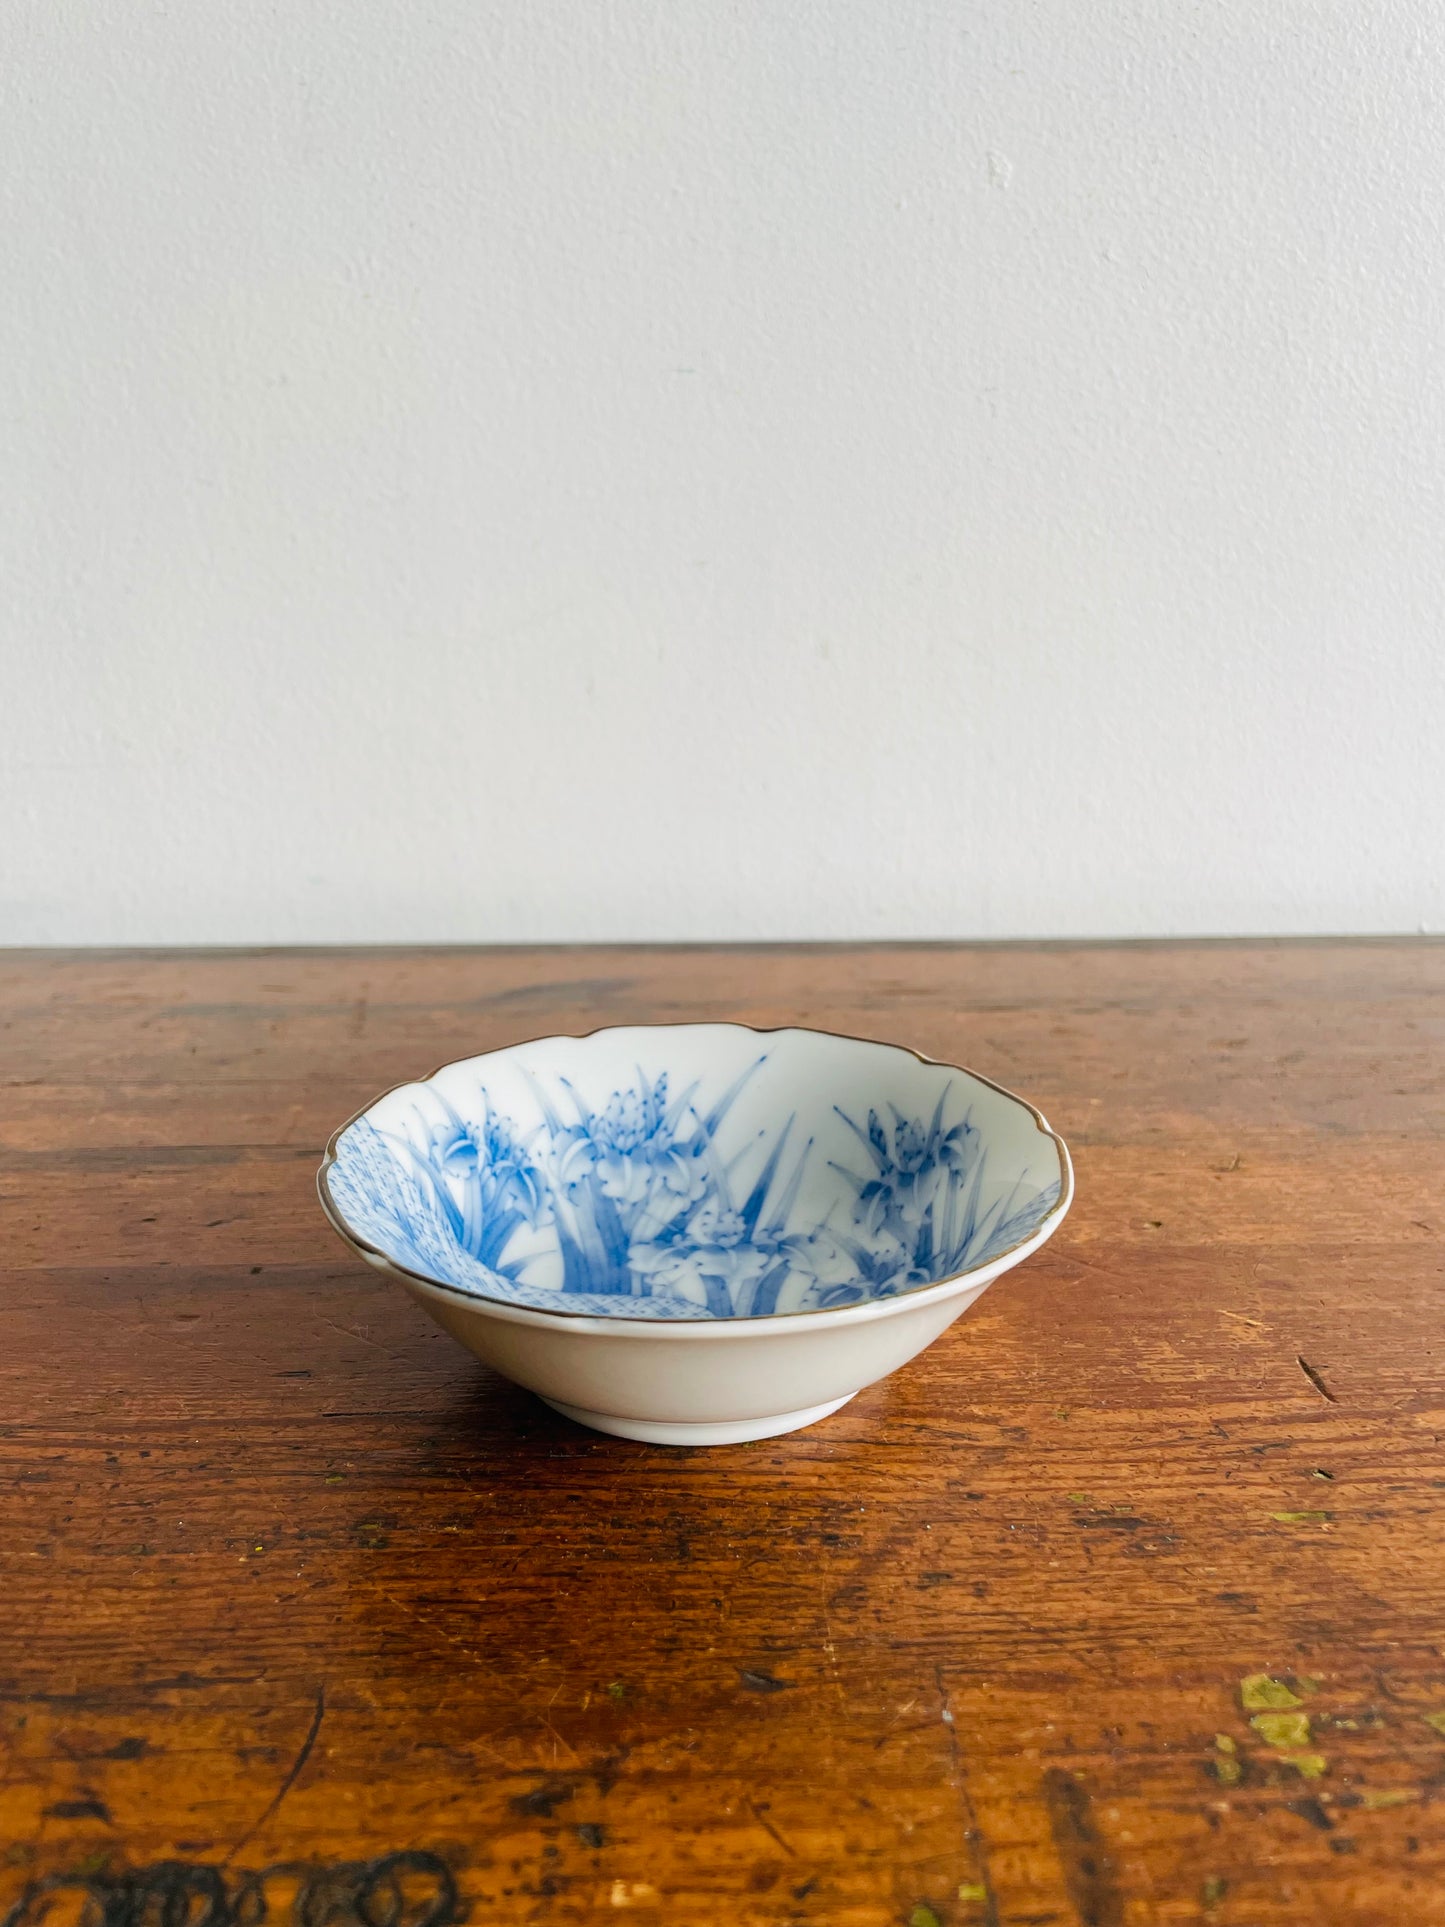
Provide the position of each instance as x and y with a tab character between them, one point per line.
720	468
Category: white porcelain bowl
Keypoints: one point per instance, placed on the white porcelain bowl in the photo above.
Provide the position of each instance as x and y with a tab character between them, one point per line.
696	1233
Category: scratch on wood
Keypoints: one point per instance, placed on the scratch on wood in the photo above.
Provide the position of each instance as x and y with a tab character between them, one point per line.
291	1778
1314	1378
972	1836
350	1331
477	1660
829	1647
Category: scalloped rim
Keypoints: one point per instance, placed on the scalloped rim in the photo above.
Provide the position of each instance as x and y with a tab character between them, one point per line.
695	1327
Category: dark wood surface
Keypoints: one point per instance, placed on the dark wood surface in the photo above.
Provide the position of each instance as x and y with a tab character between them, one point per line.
306	1617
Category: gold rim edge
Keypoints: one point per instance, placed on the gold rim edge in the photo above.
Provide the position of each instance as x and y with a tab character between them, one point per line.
1039	1236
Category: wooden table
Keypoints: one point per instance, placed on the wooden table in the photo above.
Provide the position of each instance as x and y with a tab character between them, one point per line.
1123	1604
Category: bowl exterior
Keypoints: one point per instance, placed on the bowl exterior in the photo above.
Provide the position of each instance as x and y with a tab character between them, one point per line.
698	1376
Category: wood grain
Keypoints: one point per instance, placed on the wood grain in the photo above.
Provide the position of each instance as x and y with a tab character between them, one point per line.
304	1616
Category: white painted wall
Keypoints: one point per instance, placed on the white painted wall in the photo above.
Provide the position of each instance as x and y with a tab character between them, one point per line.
720	468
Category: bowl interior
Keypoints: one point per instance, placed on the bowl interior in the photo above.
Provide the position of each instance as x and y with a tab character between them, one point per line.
695	1171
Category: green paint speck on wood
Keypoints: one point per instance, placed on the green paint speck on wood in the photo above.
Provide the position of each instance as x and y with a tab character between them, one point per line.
1214	1890
1282	1729
973	1890
1310	1765
1300	1518
923	1916
1437	1720
1258	1692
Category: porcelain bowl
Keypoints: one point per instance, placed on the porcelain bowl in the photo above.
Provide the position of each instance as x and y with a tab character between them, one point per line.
695	1234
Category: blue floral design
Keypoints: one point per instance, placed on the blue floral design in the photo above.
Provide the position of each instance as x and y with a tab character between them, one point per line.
634	1200
484	1183
919	1215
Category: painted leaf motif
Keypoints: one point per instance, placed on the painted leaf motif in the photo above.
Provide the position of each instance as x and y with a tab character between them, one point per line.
638	1199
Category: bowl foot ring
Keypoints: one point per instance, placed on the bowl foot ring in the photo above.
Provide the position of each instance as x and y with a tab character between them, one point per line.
710	1432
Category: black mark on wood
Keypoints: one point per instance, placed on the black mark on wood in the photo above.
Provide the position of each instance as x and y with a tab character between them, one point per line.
1310	1810
767	1826
87	1809
1088	1869
194	1682
407	1889
757	1682
1314	1378
543	1801
291	1778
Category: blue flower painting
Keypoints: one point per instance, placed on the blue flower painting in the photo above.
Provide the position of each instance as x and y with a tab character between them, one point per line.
632	1204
